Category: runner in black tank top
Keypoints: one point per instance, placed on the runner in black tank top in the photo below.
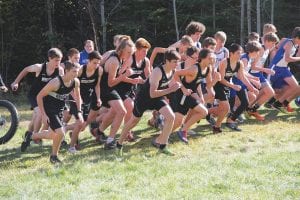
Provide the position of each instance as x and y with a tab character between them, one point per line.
90	85
43	73
111	77
140	69
51	101
151	97
228	68
188	96
39	82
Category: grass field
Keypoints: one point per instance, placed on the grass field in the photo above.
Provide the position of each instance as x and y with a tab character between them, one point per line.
261	162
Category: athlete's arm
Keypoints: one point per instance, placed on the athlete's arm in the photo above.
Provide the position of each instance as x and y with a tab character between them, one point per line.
36	68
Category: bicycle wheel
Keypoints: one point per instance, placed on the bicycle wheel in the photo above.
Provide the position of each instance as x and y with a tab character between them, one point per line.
9	121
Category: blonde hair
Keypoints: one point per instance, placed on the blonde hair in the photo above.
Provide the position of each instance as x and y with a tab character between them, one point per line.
186	40
142	43
221	35
272	37
123	44
269	28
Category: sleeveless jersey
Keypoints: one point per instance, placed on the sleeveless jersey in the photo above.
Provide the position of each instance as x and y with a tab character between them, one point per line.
42	80
229	73
124	87
281	52
197	80
104	79
87	84
220	55
55	101
163	83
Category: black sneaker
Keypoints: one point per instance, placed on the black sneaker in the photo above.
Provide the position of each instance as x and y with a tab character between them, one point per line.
233	126
120	149
64	143
210	120
279	107
110	146
216	130
100	136
26	142
154	143
54	159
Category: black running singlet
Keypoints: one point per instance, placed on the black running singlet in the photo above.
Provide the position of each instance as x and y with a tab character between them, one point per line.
42	80
87	84
55	100
198	79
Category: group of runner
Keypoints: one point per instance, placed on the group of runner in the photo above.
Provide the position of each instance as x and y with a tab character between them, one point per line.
195	81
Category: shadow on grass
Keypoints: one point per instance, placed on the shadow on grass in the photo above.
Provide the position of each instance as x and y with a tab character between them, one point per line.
94	152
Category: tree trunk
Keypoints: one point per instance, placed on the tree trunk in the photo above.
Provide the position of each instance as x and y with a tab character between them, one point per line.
91	13
258	23
50	26
175	19
249	16
103	22
214	15
272	11
242	21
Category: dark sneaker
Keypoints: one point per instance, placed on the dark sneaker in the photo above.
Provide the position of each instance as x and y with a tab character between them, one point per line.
216	130
100	137
64	143
26	142
166	151
54	159
183	136
110	146
233	126
241	119
120	149
268	105
154	143
210	120
280	108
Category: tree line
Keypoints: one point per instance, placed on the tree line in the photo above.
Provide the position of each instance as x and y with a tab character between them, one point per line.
30	27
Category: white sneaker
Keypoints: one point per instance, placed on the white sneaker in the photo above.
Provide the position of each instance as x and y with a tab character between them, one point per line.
72	150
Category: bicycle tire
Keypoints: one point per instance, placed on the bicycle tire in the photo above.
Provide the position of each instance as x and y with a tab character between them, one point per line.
14	121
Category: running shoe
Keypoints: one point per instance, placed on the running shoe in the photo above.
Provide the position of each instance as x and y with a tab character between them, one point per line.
54	159
216	130
26	142
166	151
233	126
257	116
183	136
110	145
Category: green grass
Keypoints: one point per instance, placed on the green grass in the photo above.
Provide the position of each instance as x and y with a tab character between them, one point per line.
262	162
